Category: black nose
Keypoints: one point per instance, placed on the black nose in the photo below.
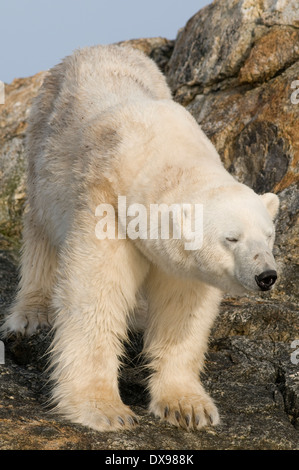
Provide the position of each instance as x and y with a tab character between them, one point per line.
266	279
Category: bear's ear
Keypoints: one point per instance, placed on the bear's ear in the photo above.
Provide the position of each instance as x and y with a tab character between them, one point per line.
271	202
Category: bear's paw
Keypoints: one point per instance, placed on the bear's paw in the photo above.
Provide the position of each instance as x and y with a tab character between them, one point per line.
190	412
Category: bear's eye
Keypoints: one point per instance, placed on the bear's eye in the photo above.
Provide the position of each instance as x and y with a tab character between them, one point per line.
232	239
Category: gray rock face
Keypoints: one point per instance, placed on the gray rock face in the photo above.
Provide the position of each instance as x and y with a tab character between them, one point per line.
222	39
233	66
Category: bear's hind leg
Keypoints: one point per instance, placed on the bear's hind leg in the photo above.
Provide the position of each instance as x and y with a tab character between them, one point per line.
31	307
181	313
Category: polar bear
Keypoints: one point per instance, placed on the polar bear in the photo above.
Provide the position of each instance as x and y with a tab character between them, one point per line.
104	125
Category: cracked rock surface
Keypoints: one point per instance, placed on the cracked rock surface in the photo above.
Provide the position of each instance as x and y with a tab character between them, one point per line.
232	66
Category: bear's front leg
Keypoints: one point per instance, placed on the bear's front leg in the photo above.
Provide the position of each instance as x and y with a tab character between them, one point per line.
96	290
181	313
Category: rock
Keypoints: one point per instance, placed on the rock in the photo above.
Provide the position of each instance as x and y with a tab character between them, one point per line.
232	66
272	53
13	115
217	41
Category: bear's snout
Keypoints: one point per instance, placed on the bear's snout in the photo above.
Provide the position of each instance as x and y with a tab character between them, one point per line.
266	279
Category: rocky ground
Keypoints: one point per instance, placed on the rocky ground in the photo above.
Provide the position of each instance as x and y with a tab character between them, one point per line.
232	66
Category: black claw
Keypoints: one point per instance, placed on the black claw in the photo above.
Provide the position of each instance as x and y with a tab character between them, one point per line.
197	419
120	420
133	420
177	415
108	421
209	417
188	419
166	412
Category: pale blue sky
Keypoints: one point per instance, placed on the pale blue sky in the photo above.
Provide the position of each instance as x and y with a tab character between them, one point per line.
37	34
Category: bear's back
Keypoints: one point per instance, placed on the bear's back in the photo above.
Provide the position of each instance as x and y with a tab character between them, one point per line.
93	79
85	84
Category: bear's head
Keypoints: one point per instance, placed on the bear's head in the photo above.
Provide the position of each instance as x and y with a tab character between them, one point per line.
238	237
227	243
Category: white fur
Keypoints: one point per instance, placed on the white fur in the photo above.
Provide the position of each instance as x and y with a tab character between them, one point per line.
104	125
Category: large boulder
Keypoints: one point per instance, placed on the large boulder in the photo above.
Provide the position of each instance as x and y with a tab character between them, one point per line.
13	117
234	66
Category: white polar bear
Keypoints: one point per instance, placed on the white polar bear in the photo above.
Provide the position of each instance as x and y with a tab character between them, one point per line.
104	125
